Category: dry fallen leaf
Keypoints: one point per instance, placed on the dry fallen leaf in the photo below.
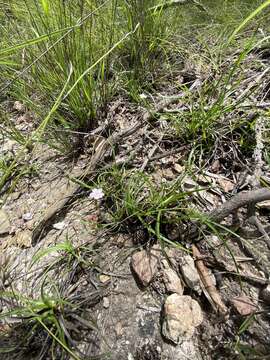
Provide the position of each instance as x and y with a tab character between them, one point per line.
24	239
179	168
226	185
207	281
215	166
243	305
168	174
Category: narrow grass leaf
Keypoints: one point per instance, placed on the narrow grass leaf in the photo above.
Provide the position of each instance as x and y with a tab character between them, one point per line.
31	42
99	60
45	6
248	19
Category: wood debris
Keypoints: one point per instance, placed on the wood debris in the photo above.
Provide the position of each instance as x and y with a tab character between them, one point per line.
214	296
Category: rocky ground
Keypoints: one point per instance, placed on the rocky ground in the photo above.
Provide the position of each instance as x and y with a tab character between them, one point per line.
130	294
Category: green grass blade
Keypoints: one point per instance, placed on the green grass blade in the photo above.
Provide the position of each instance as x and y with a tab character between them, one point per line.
38	133
100	59
45	6
65	246
31	42
248	19
74	356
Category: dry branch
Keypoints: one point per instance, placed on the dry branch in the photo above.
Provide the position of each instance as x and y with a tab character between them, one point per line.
207	282
162	105
239	200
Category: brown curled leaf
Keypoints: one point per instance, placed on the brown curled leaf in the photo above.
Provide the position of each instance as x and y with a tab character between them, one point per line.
215	298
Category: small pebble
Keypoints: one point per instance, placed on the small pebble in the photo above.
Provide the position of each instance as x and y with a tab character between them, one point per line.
59	226
106	302
27	216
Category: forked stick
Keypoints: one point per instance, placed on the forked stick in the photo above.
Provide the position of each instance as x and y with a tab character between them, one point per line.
239	200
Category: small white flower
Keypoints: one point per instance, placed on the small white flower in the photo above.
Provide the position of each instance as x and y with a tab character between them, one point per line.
59	226
27	216
96	194
143	96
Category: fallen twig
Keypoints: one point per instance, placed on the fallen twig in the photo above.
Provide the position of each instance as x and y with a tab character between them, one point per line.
237	201
168	153
214	297
255	179
161	107
150	154
249	278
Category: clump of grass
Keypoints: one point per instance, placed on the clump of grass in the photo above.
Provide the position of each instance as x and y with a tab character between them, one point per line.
144	50
42	327
79	34
87	31
136	202
84	43
214	114
40	324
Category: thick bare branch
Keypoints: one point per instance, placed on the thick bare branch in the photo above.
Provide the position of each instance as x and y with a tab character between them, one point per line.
239	200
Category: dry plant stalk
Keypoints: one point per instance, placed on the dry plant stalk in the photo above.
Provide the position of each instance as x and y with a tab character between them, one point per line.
237	201
214	297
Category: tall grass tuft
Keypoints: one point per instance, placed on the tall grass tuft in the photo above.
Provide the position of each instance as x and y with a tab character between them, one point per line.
88	23
49	37
144	48
78	34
